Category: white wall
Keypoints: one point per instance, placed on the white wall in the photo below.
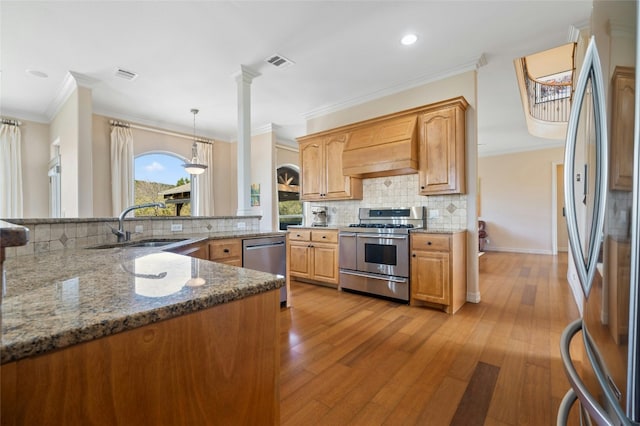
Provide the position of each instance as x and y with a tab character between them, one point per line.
35	162
263	173
516	199
64	127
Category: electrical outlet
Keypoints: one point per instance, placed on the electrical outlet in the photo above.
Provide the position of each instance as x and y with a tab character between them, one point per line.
176	227
241	225
139	229
434	213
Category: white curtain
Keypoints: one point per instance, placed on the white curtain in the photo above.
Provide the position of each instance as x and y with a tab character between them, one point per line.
204	187
121	169
10	172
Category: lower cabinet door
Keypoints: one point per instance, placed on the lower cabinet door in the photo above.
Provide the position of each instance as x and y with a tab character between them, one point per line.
430	276
325	264
300	260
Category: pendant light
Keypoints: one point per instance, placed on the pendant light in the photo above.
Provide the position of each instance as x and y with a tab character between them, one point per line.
194	167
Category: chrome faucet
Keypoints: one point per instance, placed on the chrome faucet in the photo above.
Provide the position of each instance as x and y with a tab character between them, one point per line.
126	235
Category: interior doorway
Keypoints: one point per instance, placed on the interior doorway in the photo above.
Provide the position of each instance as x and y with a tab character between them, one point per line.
561	242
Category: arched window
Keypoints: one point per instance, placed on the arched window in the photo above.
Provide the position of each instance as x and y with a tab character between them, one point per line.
161	177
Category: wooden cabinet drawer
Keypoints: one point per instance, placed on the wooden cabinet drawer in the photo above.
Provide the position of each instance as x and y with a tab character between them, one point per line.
324	236
300	235
430	242
225	249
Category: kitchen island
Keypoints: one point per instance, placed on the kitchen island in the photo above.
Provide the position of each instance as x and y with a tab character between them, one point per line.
137	336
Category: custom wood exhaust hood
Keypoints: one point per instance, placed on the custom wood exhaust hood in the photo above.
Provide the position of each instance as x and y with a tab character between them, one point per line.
386	147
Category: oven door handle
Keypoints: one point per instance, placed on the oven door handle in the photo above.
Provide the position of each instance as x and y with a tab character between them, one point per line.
384	236
376	276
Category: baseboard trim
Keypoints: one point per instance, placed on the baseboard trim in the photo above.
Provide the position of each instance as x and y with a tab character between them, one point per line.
520	250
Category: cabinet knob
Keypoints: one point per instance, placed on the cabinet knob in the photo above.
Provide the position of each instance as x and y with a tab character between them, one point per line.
226	250
297	235
413	255
324	236
428	243
422	187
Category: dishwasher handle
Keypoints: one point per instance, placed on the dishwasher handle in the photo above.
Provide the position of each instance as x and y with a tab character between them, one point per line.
257	246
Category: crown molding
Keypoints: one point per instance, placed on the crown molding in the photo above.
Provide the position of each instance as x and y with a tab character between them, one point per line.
515	150
162	125
64	91
84	80
245	75
72	80
24	116
260	130
471	65
573	34
620	29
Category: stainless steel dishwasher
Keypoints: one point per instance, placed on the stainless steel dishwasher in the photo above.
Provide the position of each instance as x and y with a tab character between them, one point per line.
266	254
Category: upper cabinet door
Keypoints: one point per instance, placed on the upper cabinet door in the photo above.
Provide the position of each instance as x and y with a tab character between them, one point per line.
442	150
312	169
622	120
337	184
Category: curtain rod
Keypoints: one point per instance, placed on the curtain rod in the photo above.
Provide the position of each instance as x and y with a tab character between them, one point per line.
11	122
117	123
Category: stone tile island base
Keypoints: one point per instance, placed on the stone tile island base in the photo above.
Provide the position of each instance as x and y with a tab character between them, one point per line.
215	366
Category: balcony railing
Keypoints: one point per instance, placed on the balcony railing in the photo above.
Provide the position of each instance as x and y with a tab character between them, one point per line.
549	97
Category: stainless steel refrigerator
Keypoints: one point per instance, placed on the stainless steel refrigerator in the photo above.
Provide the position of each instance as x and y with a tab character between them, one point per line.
601	197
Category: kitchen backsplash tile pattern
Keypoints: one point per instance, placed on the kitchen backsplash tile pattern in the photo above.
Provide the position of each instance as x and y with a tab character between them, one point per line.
444	212
59	234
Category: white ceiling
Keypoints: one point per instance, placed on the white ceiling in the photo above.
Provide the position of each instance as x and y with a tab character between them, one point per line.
186	53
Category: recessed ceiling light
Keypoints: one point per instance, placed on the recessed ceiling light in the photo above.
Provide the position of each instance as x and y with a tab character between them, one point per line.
36	73
409	39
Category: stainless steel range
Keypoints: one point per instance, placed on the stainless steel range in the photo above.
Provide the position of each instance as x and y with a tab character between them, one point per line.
374	253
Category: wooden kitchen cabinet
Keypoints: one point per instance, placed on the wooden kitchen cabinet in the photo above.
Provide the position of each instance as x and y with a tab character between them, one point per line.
618	275
438	272
228	251
321	170
313	255
442	148
220	365
198	250
622	121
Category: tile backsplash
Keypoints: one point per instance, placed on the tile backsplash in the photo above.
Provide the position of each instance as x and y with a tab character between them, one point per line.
444	212
57	234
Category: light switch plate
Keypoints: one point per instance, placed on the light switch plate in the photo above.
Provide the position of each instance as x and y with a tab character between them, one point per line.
434	214
139	229
176	227
242	225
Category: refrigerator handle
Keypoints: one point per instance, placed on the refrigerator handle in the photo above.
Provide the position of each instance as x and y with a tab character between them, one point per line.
566	404
589	403
586	263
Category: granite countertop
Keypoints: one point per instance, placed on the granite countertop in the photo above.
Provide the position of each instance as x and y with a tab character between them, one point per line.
436	231
12	235
61	298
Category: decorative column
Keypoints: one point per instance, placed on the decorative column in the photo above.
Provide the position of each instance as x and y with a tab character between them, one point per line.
243	79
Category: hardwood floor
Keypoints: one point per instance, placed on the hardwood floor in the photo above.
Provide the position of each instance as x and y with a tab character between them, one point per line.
358	360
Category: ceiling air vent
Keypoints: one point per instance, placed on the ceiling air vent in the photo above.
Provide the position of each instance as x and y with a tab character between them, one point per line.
279	61
127	75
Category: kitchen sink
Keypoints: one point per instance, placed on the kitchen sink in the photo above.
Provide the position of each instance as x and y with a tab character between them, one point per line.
158	242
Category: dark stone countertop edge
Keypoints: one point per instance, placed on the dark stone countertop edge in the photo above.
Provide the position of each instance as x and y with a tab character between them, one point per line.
41	345
12	235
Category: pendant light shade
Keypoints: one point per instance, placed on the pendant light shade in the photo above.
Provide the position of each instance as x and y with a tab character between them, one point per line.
194	167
